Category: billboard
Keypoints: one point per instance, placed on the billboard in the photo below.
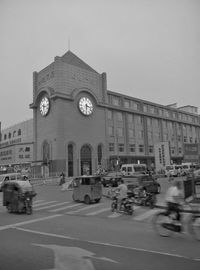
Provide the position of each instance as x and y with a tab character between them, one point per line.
162	155
191	152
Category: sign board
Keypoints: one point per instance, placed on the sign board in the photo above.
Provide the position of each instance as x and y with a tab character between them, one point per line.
162	155
191	152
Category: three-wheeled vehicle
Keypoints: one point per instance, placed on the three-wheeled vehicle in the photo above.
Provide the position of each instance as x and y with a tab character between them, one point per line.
18	196
87	189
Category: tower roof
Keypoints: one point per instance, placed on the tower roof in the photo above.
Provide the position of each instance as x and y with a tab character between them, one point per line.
72	59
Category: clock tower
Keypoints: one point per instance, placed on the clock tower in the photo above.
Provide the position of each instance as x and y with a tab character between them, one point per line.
69	103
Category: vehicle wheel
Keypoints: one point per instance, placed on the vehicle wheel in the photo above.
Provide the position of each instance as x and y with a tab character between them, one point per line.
113	206
29	210
195	227
87	199
158	221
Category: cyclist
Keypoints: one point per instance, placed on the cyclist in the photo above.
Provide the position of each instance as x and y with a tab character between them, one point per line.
174	197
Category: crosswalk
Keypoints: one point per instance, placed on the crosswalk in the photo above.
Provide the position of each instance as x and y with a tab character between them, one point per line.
101	209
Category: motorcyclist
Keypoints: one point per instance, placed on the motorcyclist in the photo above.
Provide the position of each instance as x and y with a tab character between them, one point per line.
122	189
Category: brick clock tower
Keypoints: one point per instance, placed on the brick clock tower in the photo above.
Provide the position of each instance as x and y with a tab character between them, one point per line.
69	103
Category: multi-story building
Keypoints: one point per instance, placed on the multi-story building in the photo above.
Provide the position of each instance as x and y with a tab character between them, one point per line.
78	124
16	146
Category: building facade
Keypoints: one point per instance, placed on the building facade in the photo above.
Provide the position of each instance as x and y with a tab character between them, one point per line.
16	146
79	125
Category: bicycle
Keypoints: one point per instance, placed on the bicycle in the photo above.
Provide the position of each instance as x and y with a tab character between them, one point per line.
166	224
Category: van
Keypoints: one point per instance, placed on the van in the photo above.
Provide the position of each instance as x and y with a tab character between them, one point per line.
173	170
132	169
189	167
9	176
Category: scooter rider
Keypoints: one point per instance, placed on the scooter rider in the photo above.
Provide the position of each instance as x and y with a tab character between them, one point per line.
122	188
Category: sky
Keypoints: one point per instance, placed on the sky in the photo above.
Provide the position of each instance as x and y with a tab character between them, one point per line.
150	49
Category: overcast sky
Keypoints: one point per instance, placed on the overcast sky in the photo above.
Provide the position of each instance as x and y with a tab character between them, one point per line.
150	49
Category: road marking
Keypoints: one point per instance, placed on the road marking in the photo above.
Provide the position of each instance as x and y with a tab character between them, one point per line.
50	206
45	203
98	211
145	215
37	201
114	215
27	222
66	207
84	208
110	244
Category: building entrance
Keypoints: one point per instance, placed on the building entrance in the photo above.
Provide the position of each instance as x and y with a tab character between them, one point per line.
86	160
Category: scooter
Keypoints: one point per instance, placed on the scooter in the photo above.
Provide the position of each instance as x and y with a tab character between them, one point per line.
126	205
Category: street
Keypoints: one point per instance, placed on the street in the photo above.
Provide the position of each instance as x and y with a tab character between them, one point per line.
62	234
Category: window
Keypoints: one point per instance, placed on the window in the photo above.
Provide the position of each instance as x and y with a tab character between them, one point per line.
179	138
165	137
172	150
121	147
151	149
151	109
5	137
150	135
14	133
130	118
119	116
149	122
27	149
141	134
185	139
156	122
180	150
127	103
110	115
132	148
9	135
19	132
145	108
131	133
139	119
111	147
191	140
141	148
110	131
135	106
116	101
120	132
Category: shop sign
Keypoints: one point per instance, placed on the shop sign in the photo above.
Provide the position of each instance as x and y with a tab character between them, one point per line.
162	156
191	152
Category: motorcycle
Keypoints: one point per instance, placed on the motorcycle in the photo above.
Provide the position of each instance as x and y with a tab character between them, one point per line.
145	199
126	205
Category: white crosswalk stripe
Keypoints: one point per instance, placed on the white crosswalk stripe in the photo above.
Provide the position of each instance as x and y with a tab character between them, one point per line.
146	214
83	209
44	203
115	215
50	206
98	211
65	207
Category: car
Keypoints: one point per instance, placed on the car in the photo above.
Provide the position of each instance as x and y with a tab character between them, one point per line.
148	182
111	179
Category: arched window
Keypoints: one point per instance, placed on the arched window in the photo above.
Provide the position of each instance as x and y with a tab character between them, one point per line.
14	133
19	132
5	137
70	160
46	152
9	135
86	160
99	153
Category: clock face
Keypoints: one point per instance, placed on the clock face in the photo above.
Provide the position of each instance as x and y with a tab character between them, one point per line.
86	106
44	106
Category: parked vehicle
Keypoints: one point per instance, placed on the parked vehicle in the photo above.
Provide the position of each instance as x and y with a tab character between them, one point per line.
87	189
17	196
147	182
9	177
132	169
126	206
111	179
145	198
189	167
